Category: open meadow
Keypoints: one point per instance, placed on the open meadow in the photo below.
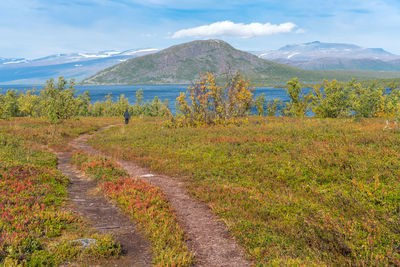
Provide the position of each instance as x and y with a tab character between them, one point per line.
194	133
291	191
209	185
37	226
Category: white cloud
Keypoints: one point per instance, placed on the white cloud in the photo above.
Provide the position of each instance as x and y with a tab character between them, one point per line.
229	28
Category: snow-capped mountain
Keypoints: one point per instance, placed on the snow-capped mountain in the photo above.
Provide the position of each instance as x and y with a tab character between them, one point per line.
6	61
327	56
74	57
73	65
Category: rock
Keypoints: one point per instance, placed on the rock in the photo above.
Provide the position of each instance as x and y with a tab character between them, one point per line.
85	242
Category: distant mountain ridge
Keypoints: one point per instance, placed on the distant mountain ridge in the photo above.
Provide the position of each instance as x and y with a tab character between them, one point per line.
333	56
183	63
73	65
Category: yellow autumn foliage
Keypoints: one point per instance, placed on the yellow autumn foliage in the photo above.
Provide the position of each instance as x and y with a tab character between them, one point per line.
210	103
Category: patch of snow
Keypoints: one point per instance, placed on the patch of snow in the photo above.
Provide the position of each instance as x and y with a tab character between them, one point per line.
265	54
92	56
292	55
15	62
110	53
140	51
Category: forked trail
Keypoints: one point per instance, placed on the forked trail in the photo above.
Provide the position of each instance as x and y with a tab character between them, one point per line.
105	217
208	238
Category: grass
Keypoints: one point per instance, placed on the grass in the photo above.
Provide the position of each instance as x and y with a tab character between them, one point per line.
145	203
35	227
292	192
37	133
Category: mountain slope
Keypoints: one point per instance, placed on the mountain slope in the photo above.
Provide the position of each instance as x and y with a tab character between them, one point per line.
333	56
183	63
74	65
332	63
318	49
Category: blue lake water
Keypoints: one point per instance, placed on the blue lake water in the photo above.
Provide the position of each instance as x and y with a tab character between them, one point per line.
170	92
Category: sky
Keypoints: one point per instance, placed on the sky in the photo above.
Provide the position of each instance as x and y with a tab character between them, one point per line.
37	28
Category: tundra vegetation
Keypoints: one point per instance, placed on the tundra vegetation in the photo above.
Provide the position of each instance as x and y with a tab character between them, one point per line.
210	103
145	203
292	189
58	102
36	228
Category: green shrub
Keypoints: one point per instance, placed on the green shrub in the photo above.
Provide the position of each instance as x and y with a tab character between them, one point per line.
210	103
331	100
299	103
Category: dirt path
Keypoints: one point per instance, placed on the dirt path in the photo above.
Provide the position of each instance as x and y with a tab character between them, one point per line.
105	217
208	237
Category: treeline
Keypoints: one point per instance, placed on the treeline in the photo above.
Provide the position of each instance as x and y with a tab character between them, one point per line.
207	102
58	101
333	99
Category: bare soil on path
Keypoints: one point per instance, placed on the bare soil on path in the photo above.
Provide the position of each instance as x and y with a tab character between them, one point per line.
208	237
104	216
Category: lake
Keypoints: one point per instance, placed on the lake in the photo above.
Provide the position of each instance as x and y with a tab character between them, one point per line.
170	92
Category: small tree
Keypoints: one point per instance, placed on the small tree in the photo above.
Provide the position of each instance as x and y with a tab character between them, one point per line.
211	103
2	106
240	97
121	105
58	101
109	108
83	104
388	103
272	107
10	104
138	107
364	100
331	100
300	103
97	109
29	103
155	107
260	103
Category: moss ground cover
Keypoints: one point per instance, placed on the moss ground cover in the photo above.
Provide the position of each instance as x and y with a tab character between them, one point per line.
145	203
36	133
292	191
35	228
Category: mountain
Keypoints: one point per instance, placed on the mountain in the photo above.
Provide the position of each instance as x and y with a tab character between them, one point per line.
73	65
333	56
183	63
7	61
314	50
332	63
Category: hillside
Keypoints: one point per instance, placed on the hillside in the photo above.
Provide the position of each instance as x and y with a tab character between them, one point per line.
183	63
333	56
74	65
333	63
315	192
316	50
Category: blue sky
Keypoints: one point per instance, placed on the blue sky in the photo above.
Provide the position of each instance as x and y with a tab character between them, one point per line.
35	28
